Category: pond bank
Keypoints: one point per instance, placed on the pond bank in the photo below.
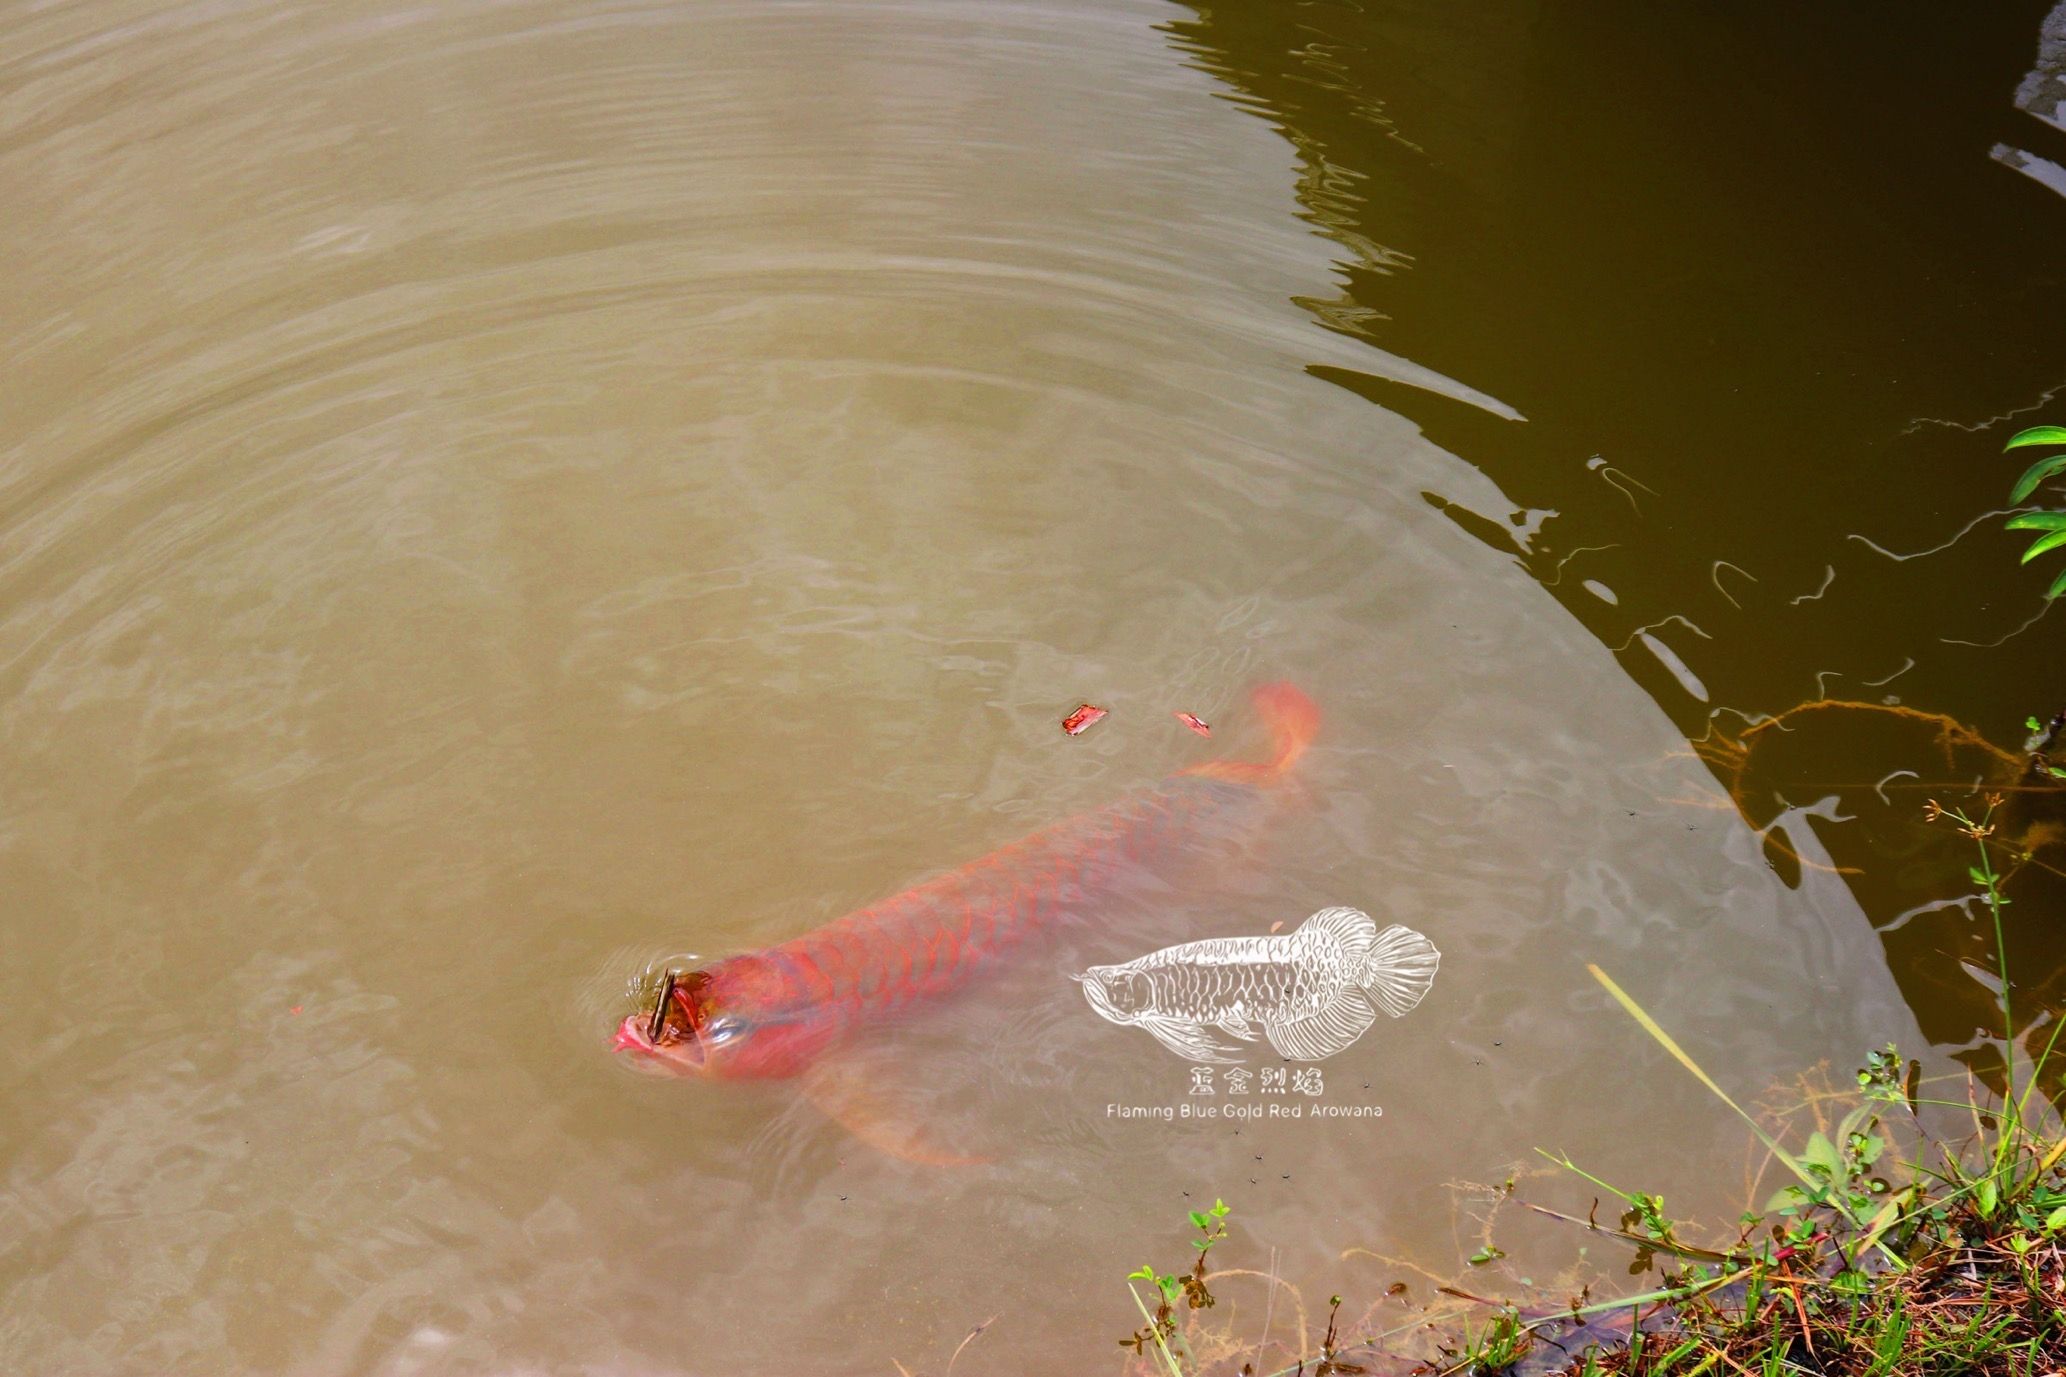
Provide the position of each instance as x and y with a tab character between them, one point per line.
1919	1232
1893	1249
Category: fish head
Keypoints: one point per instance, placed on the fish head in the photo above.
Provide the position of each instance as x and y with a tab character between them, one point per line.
1117	992
700	1028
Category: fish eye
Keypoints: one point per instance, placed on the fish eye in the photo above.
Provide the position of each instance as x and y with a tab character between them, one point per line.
722	1030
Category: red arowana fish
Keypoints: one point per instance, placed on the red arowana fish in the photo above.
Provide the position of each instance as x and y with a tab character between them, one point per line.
777	1012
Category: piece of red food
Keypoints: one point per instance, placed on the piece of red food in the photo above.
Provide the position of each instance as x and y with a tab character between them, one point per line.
1194	724
1077	722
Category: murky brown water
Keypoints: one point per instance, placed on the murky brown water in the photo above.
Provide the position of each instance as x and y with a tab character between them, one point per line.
493	497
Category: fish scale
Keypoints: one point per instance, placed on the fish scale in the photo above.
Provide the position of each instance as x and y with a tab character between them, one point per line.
1281	978
924	940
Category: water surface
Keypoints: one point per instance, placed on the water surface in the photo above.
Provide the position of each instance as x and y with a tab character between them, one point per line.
495	497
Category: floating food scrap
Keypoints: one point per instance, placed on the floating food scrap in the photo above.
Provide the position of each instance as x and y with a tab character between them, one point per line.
1079	721
1194	724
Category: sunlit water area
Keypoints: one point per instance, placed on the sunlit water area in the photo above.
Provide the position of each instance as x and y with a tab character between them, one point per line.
501	501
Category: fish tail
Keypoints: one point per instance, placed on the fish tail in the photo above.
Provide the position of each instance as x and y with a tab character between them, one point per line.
1293	720
1399	969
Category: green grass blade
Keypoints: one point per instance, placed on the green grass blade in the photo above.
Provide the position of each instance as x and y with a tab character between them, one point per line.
2037	1072
1664	1040
1792	1163
1160	1347
1563	1160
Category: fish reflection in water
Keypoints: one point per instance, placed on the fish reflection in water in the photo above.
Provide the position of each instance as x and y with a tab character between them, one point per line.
779	1013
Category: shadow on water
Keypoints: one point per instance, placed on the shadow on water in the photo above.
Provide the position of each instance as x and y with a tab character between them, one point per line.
1770	310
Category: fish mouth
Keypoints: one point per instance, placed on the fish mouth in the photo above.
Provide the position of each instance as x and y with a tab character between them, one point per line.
655	1042
677	1056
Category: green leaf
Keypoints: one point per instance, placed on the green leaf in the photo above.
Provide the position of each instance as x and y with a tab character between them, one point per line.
2036	435
2056	1220
1198	1218
2043	543
1987	1197
1486	1254
2058	586
1821	1153
2036	521
2036	474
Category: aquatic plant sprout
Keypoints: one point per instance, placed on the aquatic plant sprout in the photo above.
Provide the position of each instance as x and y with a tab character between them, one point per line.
2050	524
1189	1287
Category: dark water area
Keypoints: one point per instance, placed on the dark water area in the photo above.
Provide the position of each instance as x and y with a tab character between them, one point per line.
497	500
1771	311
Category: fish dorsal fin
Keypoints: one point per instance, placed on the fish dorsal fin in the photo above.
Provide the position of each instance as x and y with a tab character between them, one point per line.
1323	1034
1185	1039
1351	927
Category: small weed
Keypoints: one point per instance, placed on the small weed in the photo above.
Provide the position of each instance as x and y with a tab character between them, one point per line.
1189	1288
2040	743
1331	1362
1495	1348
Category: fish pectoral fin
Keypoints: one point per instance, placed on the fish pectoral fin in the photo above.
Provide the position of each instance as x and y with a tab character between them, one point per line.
1326	1032
844	1093
1185	1039
1239	1027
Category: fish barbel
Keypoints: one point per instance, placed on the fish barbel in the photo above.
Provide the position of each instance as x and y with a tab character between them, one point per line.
776	1012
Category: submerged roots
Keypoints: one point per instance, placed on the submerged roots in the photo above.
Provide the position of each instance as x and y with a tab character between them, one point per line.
1806	755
